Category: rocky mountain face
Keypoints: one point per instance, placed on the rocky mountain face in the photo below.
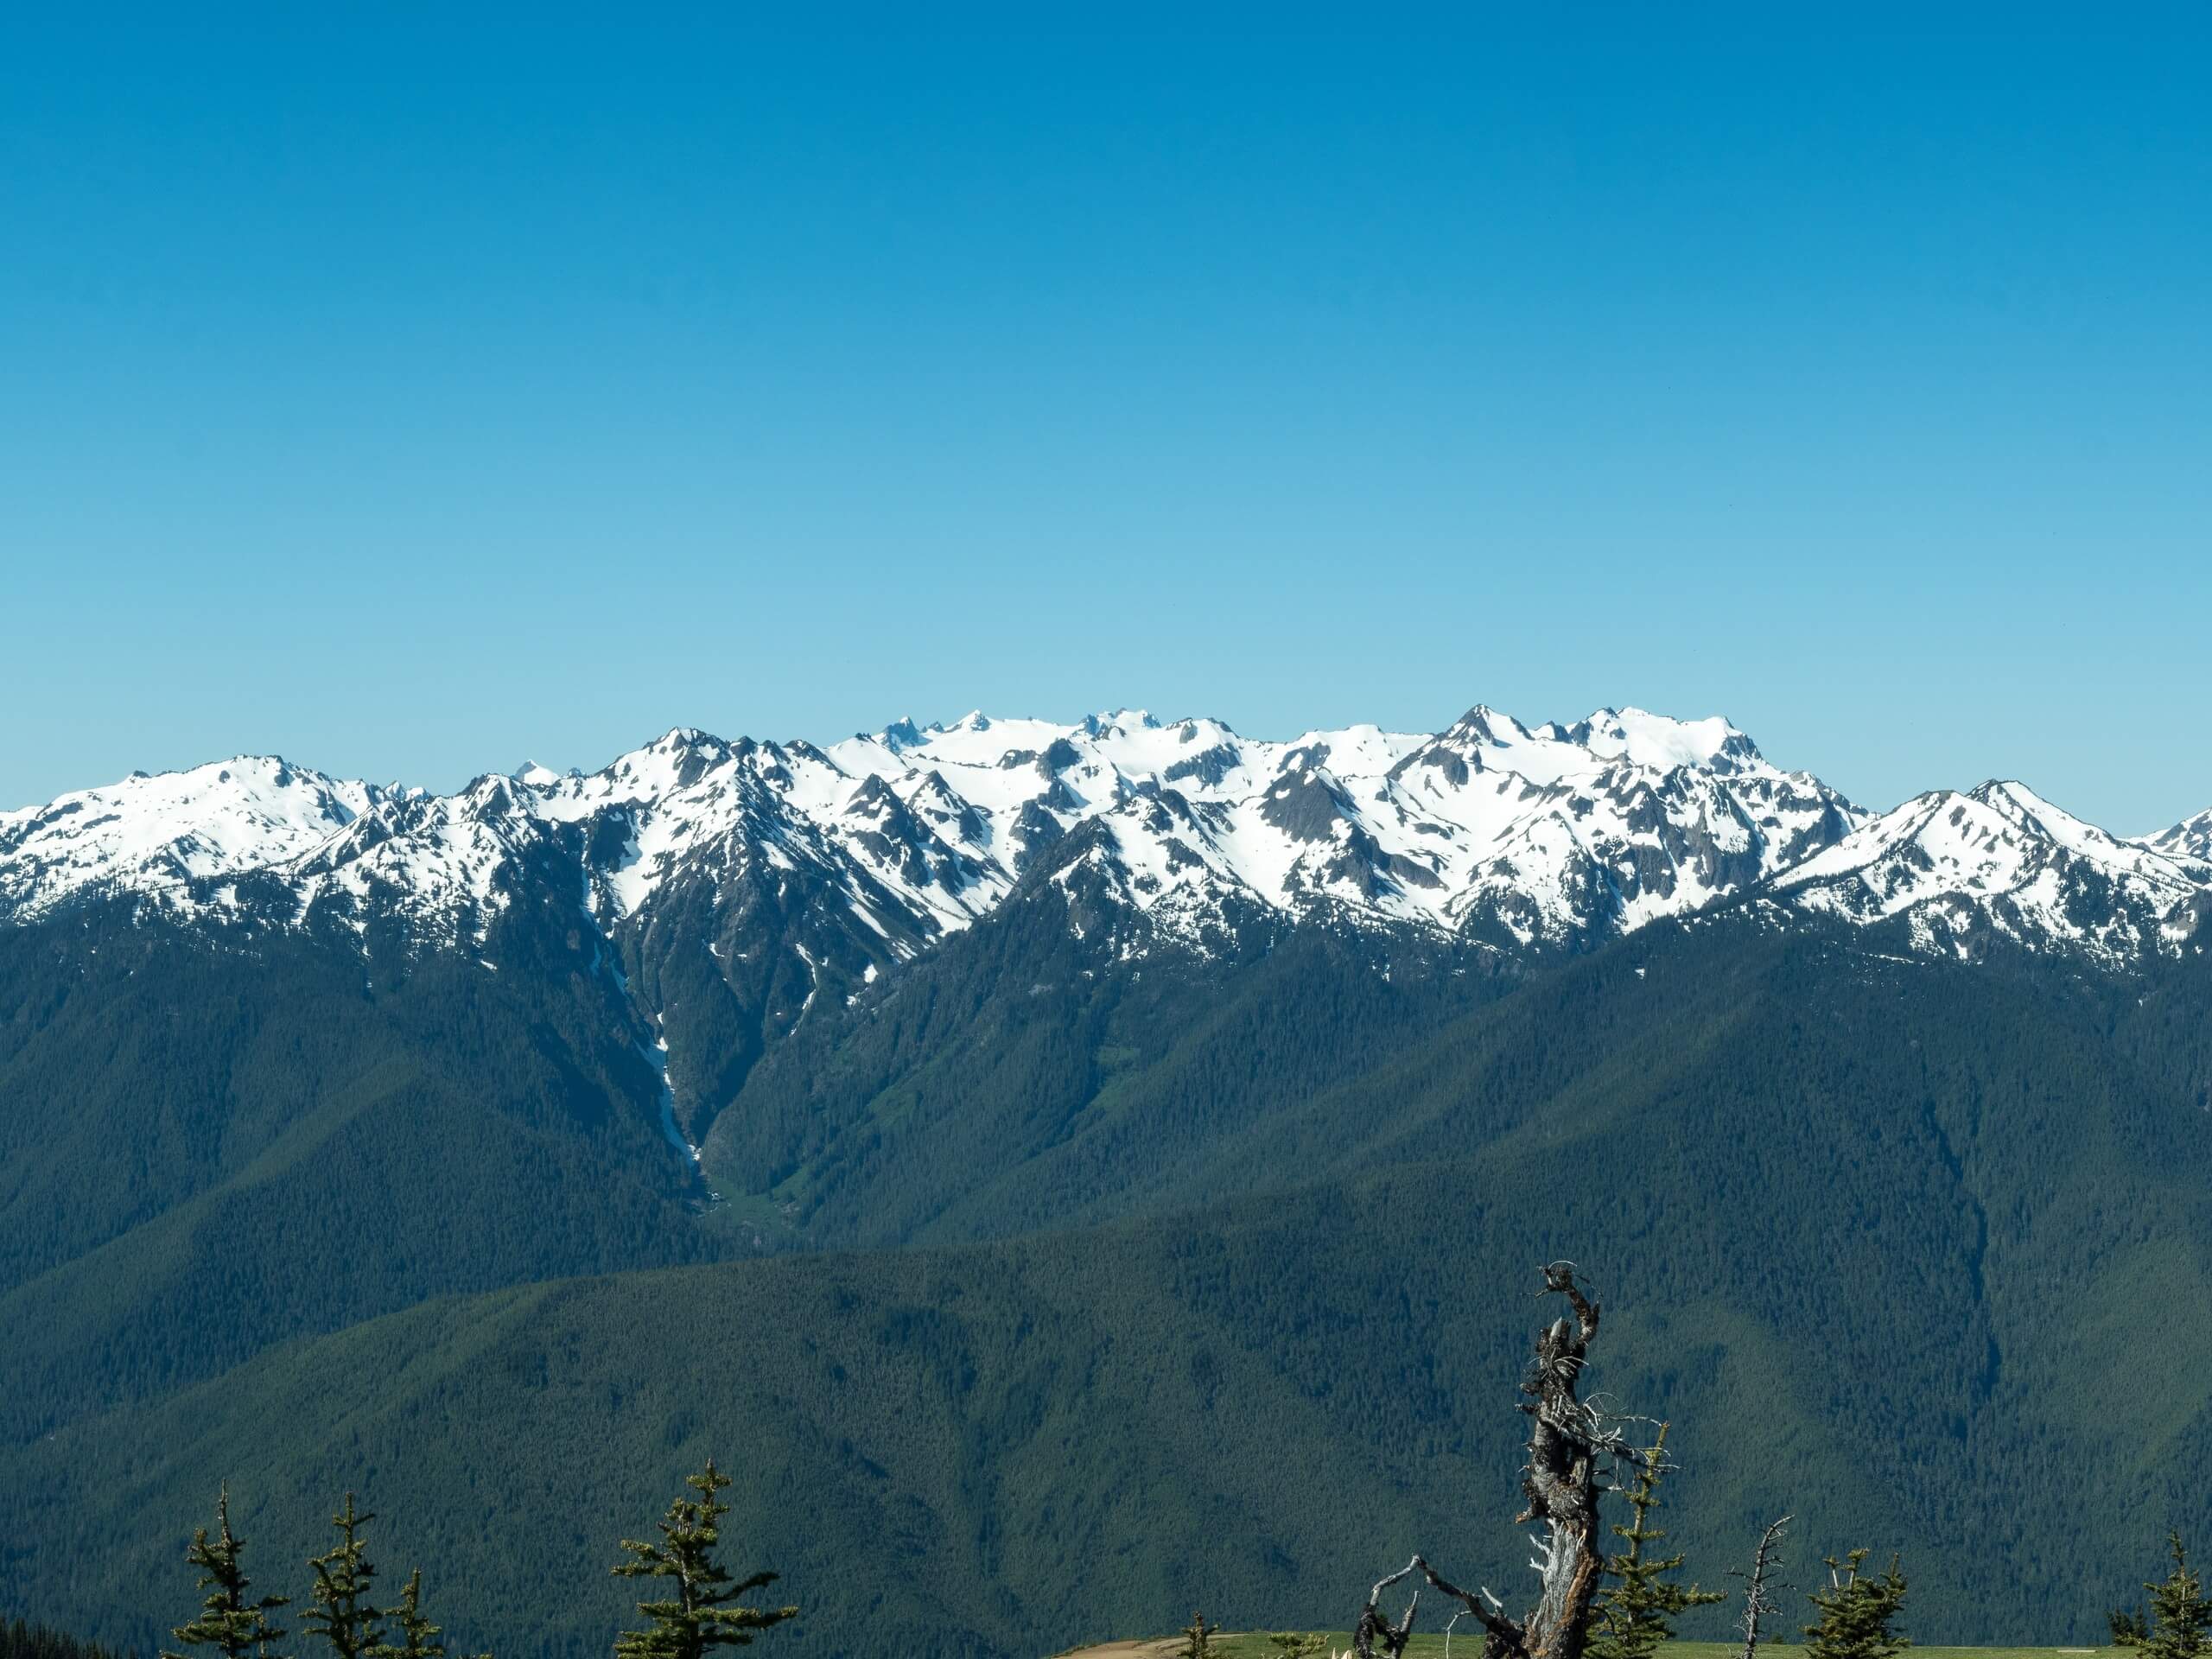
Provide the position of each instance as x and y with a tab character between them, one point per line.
1521	837
1999	864
862	854
2190	838
730	885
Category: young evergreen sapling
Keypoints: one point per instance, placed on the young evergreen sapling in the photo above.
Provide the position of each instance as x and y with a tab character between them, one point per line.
701	1615
1632	1615
233	1623
1197	1638
2181	1618
418	1637
342	1615
1857	1612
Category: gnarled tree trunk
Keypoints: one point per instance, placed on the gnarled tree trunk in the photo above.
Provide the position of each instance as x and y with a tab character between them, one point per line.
1572	1454
1560	1480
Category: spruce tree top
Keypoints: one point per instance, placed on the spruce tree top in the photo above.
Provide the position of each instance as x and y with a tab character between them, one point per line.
1633	1615
2181	1618
343	1615
230	1622
701	1615
1856	1612
418	1637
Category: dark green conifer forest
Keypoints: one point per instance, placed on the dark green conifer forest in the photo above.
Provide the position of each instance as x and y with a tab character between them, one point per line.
21	1640
1025	1306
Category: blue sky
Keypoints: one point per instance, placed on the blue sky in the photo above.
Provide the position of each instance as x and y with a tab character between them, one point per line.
409	397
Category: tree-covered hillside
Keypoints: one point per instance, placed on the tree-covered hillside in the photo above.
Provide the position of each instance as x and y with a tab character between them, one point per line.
213	1144
1030	1074
1016	1080
1922	1253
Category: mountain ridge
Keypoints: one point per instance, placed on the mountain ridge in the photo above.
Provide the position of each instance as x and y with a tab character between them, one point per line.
1515	837
998	985
1894	1286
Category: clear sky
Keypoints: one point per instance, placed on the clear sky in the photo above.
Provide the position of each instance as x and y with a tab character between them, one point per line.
408	396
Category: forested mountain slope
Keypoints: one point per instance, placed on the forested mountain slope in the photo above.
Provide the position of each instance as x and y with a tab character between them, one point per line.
1920	1250
1194	1111
216	1142
1012	1081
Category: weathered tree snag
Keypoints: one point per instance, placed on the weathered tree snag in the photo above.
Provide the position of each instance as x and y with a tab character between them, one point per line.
1372	1627
1572	1455
1562	1478
1755	1603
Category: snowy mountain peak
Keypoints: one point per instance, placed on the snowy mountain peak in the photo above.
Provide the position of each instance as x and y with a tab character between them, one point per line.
1510	835
1651	739
2000	863
683	740
1483	724
154	832
2189	839
1115	721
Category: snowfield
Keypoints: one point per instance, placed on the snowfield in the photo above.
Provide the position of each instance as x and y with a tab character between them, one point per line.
1513	835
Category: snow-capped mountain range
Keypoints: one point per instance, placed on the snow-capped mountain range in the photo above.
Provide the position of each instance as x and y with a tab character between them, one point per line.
1505	837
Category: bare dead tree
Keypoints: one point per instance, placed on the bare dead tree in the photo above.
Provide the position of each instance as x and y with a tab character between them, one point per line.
1756	1603
1576	1452
1373	1627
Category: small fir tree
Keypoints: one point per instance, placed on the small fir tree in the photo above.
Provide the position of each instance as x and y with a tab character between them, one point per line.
1857	1612
232	1622
1632	1615
2129	1627
1197	1638
343	1615
702	1614
2180	1615
418	1637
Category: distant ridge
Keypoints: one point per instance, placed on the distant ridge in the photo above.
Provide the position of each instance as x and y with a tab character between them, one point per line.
1507	837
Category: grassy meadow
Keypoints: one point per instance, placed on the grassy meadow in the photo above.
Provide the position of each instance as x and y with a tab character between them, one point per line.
1255	1645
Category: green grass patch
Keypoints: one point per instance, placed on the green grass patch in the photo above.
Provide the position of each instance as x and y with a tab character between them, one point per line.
1255	1645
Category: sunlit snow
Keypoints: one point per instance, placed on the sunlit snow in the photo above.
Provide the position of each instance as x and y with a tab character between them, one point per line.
1491	829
